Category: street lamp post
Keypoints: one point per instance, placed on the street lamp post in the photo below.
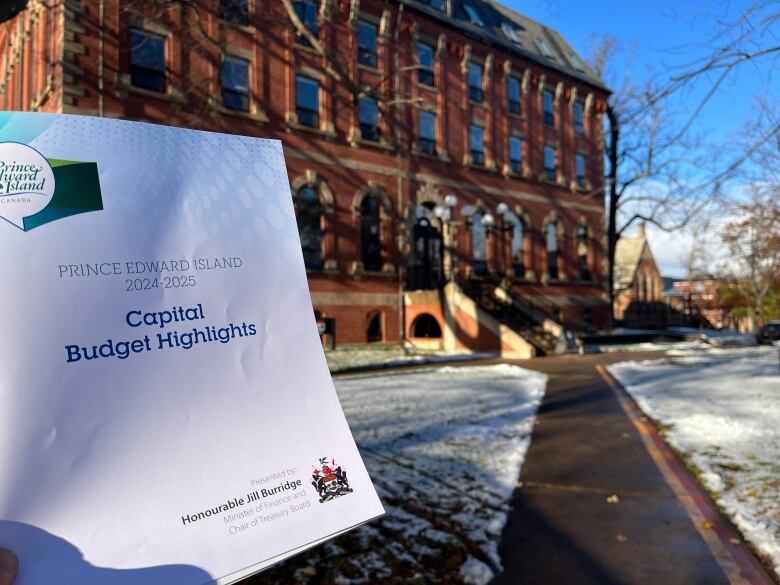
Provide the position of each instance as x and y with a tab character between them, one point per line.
446	214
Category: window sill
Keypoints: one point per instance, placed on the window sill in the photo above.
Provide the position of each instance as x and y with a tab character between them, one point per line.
489	167
173	94
291	123
306	48
258	115
586	188
356	141
560	281
438	156
427	86
368	68
247	28
357	271
329	268
510	174
587	282
554	182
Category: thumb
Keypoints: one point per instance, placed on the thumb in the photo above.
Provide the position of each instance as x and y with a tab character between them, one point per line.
9	566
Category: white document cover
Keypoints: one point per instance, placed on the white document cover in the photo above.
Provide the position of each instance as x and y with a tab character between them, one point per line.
166	411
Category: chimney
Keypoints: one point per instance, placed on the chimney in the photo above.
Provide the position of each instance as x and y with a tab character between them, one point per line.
641	235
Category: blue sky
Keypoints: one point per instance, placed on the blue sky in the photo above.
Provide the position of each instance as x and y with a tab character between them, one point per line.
660	33
664	34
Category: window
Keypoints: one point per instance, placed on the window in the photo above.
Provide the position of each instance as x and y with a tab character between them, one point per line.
427	138
582	252
370	228
510	32
513	93
472	13
544	47
549	162
476	92
579	126
310	227
307	101
374	332
515	155
478	244
575	60
147	60
552	250
477	143
437	4
235	84
367	34
579	169
518	246
235	11
368	115
547	102
425	73
307	13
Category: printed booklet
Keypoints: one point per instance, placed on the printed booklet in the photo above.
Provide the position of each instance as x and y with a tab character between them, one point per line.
167	414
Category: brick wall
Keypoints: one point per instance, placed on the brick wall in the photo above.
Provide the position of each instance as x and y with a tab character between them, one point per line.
86	57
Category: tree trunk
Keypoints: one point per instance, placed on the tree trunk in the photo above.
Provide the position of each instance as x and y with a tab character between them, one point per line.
612	208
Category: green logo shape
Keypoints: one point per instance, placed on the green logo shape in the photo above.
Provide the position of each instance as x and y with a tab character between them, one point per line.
77	190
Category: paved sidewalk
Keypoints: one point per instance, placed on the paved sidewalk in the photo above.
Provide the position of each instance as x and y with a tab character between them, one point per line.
585	449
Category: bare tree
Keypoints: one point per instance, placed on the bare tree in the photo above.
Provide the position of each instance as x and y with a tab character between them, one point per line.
753	241
648	164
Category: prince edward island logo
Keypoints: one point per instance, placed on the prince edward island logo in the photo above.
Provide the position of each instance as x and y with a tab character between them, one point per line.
35	190
330	480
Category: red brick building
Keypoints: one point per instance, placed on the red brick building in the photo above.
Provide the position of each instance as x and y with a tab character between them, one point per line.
386	109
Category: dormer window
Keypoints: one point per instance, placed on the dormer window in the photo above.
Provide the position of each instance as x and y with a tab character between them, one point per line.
544	47
474	16
437	4
575	60
510	32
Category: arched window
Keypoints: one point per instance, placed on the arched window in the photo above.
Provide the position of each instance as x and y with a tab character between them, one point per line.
478	244
310	210
370	229
374	332
518	246
582	252
426	326
551	237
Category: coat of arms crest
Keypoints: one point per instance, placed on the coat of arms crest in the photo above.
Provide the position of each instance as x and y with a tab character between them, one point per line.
330	480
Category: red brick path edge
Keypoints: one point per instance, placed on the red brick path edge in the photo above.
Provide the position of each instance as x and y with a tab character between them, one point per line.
732	554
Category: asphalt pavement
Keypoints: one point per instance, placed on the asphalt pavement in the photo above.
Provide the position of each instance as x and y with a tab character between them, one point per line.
592	506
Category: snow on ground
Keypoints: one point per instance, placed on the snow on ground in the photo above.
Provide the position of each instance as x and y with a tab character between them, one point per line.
348	358
645	346
444	448
721	407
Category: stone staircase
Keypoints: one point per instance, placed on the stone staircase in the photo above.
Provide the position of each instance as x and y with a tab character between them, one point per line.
536	328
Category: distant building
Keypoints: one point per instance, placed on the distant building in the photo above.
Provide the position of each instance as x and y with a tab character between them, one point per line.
696	303
464	153
638	284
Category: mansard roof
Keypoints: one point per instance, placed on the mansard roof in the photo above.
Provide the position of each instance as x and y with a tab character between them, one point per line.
494	23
